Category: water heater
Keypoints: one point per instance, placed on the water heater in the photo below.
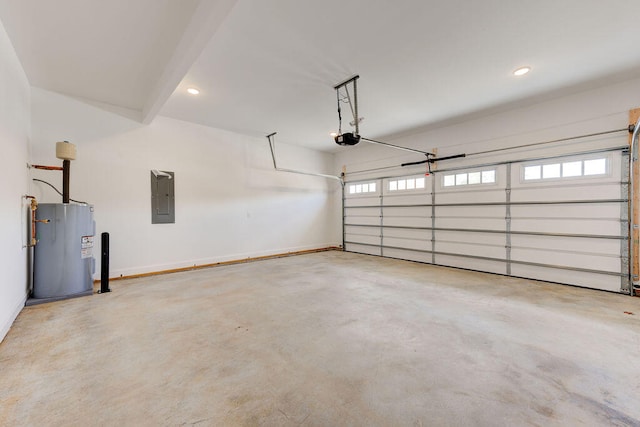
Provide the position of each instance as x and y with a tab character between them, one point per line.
63	258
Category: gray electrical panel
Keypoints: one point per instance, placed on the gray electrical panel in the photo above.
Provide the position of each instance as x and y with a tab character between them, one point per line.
162	197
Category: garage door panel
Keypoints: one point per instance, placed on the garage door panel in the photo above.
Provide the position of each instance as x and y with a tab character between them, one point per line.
554	243
518	182
577	278
471	212
408	255
362	201
416	211
494	224
597	211
558	194
495	195
567	259
358	230
474	249
363	238
407	233
406	199
477	238
407	222
407	243
408	217
362	220
567	226
472	264
372	211
362	249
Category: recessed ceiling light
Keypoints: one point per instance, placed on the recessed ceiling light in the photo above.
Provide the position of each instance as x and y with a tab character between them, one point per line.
193	91
521	71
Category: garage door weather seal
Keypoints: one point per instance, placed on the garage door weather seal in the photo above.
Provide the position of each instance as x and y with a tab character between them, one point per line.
635	284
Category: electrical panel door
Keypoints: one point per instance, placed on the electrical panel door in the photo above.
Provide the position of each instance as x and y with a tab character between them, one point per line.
162	197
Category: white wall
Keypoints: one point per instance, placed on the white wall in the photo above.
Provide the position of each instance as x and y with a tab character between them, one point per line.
586	112
14	143
230	203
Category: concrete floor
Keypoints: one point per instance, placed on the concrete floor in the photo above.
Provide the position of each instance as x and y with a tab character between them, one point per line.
326	339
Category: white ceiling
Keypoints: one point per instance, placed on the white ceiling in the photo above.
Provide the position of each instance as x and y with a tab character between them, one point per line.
270	65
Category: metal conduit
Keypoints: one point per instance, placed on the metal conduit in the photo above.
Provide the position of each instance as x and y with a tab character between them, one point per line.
275	166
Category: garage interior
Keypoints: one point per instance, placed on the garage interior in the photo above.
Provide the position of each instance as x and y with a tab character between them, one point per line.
469	256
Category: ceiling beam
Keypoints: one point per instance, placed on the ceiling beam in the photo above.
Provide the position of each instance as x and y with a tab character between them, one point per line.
205	22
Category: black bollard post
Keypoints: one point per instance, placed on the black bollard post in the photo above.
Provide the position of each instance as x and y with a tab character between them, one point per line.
104	267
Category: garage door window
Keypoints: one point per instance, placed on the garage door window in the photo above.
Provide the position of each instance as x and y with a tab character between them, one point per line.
469	178
406	184
568	169
365	187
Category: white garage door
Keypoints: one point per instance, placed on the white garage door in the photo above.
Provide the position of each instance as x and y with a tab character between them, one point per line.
561	219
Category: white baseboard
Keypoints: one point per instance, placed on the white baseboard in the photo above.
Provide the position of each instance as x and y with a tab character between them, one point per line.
115	273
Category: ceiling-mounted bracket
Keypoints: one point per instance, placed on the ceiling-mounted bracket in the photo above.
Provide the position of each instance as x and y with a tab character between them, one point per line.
352	138
346	82
348	138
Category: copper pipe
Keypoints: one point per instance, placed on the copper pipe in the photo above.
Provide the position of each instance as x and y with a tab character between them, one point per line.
33	226
34	207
